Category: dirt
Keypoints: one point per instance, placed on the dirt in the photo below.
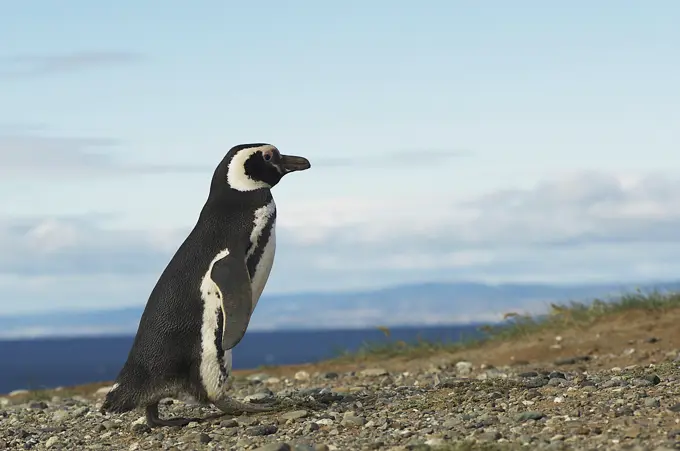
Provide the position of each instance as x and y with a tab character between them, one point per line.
652	334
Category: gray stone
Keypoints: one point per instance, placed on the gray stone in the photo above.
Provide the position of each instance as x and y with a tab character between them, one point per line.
295	415
274	447
373	372
256	431
525	416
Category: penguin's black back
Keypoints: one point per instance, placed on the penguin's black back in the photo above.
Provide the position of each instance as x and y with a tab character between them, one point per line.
165	356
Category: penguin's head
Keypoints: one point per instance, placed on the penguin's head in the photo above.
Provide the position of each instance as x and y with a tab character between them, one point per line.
248	167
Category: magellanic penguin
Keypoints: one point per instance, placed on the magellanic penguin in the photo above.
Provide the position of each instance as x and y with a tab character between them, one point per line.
202	303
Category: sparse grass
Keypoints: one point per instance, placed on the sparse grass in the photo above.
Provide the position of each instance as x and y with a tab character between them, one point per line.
515	326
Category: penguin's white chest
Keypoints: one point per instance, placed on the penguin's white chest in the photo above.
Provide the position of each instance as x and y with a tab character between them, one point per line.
262	239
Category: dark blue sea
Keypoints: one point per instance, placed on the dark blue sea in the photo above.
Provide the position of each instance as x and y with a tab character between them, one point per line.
49	363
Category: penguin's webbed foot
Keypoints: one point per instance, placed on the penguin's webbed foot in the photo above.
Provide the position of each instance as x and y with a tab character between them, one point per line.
230	406
154	420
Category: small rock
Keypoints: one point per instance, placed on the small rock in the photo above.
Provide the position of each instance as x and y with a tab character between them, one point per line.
311	427
464	368
557	382
258	377
490	436
140	428
230	423
641	383
525	416
331	375
652	402
246	420
675	408
204	438
653	378
51	441
275	447
536	382
351	420
80	412
302	376
295	415
59	416
572	360
528	374
373	372
257	431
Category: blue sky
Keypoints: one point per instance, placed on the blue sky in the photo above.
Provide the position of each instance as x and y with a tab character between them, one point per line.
503	141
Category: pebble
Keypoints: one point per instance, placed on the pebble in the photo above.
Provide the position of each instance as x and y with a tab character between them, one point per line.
351	420
295	415
255	431
525	416
373	372
464	368
302	376
275	447
51	442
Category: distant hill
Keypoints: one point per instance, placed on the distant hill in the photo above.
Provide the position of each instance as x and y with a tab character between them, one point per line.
407	305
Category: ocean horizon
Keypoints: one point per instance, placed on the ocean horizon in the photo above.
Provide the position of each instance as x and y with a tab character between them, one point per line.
43	363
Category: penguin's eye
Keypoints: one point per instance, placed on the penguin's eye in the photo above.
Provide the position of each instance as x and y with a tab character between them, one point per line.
267	156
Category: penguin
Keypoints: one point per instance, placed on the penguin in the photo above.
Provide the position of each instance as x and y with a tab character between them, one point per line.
201	305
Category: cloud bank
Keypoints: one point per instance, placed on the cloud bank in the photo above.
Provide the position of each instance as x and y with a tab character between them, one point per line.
585	227
33	65
23	151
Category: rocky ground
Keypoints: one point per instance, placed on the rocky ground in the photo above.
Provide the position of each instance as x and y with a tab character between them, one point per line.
612	385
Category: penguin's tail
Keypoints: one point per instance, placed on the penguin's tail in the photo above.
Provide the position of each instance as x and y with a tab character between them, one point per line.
119	399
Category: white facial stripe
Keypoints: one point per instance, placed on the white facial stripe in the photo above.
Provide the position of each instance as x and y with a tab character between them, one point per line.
211	373
236	172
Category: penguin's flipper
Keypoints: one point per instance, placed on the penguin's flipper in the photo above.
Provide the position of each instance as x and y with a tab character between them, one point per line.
231	276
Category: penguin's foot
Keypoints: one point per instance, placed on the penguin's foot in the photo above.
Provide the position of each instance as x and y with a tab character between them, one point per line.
231	406
153	420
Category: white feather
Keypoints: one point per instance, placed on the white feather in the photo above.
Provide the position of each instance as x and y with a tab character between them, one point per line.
264	266
236	172
211	373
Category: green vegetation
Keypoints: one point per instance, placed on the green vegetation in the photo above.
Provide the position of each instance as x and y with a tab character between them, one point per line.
514	325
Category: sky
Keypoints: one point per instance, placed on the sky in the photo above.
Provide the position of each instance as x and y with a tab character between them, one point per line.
497	141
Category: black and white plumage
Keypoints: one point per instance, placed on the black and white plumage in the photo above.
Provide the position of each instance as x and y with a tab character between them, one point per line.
202	303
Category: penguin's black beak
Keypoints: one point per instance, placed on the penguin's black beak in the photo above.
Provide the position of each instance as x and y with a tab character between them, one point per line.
290	163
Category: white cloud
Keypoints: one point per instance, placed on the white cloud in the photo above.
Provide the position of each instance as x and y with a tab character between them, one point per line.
34	151
587	227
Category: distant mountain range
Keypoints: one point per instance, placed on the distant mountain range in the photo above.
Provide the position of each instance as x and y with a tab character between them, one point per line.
407	305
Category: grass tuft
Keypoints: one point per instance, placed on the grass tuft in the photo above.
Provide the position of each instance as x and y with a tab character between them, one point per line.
516	326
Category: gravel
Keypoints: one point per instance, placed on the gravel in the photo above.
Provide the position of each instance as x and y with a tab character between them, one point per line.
455	405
